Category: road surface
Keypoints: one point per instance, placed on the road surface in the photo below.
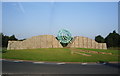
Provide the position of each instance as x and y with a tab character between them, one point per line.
19	67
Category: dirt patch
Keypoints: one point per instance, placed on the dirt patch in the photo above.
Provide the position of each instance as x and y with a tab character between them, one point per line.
77	51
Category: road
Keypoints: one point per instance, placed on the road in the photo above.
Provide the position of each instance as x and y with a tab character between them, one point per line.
14	67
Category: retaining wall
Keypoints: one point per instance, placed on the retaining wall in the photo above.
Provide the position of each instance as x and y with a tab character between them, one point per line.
49	41
41	41
84	42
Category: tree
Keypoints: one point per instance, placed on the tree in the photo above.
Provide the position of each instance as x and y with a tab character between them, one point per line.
99	39
21	39
5	39
13	37
1	34
113	39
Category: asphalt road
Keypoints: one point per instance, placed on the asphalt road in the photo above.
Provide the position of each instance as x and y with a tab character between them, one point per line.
13	67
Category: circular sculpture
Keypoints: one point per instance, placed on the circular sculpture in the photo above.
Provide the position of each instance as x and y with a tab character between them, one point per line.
64	36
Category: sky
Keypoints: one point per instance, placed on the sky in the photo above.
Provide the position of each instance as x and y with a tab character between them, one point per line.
88	19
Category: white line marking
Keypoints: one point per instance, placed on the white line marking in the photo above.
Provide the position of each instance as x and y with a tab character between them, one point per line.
83	63
90	64
16	61
60	63
51	63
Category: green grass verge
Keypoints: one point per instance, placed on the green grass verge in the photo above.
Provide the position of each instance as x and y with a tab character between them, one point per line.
59	54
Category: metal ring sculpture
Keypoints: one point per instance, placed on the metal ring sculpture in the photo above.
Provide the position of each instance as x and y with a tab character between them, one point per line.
64	36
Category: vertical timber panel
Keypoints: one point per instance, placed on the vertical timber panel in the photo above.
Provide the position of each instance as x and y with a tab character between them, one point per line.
100	45
76	42
104	46
93	44
89	43
55	44
39	42
97	45
72	43
9	45
49	41
85	42
43	41
80	42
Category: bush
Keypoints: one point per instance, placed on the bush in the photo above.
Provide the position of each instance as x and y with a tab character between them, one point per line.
4	50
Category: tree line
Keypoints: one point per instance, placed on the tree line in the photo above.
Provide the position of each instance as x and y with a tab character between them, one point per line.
112	39
5	39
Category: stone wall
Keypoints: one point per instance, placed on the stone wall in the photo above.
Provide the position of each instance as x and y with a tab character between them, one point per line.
49	41
84	42
41	41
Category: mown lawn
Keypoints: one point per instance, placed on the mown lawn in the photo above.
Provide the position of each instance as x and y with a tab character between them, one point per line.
59	54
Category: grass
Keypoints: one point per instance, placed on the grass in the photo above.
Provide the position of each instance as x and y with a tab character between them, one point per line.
59	54
114	48
102	50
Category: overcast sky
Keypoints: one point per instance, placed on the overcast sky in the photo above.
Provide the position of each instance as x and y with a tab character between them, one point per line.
89	19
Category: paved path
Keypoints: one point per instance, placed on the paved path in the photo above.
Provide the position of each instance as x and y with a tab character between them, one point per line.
20	67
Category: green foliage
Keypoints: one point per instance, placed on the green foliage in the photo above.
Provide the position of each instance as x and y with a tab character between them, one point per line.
5	39
0	40
21	39
99	39
12	37
113	40
4	50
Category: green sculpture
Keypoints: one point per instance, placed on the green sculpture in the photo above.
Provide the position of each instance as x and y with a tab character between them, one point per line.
64	36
